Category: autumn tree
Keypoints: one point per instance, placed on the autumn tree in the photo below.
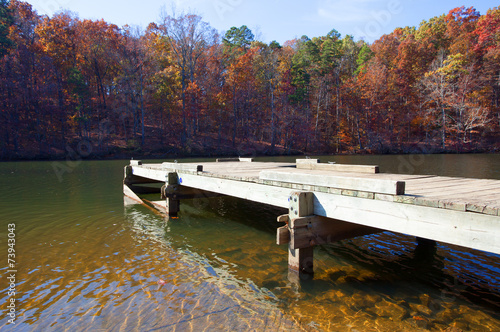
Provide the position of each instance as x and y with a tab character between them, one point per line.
6	21
188	38
266	67
57	38
65	82
488	36
163	82
21	85
238	61
132	80
461	24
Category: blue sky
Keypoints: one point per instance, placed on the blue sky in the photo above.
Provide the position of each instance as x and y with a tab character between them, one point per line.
278	20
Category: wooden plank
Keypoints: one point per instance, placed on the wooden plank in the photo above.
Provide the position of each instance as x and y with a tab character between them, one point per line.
160	205
306	161
472	196
241	169
452	204
182	193
315	230
147	204
473	230
239	159
378	176
313	164
224	160
460	191
427	201
159	175
437	183
431	179
284	218
282	235
390	187
183	167
276	196
130	178
486	207
300	260
214	166
301	204
131	194
464	185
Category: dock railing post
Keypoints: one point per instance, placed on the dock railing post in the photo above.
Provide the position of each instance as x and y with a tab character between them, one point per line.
170	192
128	175
300	261
129	179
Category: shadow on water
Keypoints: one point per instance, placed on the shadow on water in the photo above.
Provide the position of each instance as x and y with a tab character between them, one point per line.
456	273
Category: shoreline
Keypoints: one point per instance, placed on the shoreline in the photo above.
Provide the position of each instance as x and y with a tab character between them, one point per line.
128	155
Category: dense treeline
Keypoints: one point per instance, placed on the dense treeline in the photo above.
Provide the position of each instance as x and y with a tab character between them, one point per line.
72	87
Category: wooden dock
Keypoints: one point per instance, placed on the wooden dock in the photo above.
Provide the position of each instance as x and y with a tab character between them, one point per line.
332	202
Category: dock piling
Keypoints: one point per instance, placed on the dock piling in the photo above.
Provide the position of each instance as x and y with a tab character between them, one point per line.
170	192
300	260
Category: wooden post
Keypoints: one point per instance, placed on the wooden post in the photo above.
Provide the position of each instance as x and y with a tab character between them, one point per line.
300	261
127	176
171	190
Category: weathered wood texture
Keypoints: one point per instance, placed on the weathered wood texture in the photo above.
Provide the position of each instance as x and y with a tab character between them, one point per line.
130	178
183	167
160	205
300	259
224	160
314	164
282	235
131	194
316	230
382	186
183	192
172	202
414	185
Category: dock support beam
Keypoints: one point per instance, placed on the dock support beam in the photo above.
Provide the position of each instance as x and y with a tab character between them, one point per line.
304	230
171	191
300	261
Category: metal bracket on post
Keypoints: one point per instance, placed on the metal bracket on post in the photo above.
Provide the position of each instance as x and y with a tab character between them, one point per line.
300	261
170	192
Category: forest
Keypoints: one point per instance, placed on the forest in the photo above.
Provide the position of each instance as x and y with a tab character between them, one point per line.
79	88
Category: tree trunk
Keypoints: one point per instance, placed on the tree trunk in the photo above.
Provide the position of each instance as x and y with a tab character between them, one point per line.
142	107
273	124
443	131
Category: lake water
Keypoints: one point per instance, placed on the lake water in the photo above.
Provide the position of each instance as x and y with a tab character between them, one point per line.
86	262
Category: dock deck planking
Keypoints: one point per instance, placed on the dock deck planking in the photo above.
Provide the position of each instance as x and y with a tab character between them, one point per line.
422	190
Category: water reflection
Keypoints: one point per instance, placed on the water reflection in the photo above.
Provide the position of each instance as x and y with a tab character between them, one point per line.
203	285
